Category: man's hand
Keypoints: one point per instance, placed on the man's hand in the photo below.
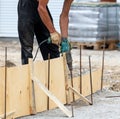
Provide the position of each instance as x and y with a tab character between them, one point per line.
65	45
66	48
55	38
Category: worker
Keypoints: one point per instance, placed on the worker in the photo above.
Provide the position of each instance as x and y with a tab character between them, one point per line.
30	23
64	20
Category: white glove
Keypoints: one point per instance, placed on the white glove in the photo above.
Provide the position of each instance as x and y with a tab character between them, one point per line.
55	38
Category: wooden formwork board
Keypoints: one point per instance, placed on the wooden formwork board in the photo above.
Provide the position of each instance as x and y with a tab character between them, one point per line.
40	71
18	86
19	89
86	87
56	83
2	87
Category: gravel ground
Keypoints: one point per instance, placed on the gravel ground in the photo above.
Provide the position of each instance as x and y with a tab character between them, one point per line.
103	107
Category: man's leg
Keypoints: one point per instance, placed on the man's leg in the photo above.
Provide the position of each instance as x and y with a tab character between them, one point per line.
26	35
42	34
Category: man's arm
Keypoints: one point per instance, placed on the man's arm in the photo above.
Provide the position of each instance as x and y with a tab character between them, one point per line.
64	18
45	15
55	37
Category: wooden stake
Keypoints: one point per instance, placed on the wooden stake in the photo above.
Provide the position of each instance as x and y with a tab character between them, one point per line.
52	97
32	89
80	95
66	79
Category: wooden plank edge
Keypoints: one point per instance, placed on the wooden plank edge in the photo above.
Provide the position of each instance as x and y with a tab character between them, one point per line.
32	88
52	97
80	95
8	114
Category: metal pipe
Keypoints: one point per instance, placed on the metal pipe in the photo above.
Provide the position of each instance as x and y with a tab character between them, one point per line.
72	110
71	74
48	79
102	65
91	86
5	82
113	96
80	70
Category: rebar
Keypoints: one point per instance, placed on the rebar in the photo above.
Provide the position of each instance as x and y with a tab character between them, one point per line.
102	65
48	79
80	70
5	82
91	86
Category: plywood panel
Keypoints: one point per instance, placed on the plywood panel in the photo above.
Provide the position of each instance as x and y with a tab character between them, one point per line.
86	84
96	81
96	75
18	90
18	86
86	88
40	72
76	82
70	93
2	84
57	80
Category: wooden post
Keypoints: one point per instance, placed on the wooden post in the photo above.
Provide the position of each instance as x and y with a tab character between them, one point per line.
32	89
66	79
80	95
52	97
